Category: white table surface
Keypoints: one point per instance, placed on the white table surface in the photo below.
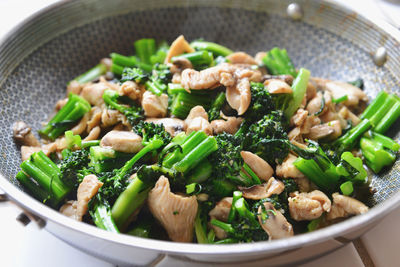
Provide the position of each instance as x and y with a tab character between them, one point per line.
22	246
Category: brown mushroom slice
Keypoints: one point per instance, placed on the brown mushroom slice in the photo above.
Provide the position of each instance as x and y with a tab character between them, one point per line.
87	189
260	191
181	64
276	86
221	212
122	141
81	126
329	131
239	96
23	134
260	167
286	78
274	223
241	58
173	126
308	206
178	47
311	91
345	113
176	213
208	78
299	117
344	206
154	106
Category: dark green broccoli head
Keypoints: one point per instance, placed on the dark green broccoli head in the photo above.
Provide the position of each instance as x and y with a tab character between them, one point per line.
262	103
149	131
161	73
134	74
73	165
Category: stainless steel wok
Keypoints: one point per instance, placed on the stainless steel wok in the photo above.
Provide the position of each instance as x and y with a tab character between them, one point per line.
40	56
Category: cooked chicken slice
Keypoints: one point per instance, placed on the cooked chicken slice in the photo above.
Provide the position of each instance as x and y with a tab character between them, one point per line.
178	47
27	151
154	106
110	117
239	96
61	103
299	117
340	89
231	125
287	169
221	212
74	87
69	209
344	206
308	206
241	58
81	126
245	71
273	222
314	105
260	191
86	190
197	120
197	111
172	125
260	167
258	58
346	114
93	134
276	86
23	134
208	78
311	90
122	141
286	78
309	122
94	118
131	90
93	93
175	213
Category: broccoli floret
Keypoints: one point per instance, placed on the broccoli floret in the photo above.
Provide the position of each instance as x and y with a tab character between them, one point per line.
262	103
73	165
134	74
148	130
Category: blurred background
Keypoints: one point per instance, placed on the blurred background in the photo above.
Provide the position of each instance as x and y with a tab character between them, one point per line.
29	246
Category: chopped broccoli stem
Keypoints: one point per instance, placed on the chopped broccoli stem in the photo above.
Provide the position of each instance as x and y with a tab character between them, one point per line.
198	58
347	188
196	155
200	228
145	48
299	87
90	143
117	69
121	62
349	139
216	106
216	49
183	102
92	74
105	159
75	108
174	88
161	53
356	163
226	241
241	208
224	226
103	219
232	213
278	62
201	173
388	119
154	87
338	100
253	176
142	229
37	191
314	224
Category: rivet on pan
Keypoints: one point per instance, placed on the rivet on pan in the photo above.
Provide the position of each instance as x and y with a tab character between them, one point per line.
380	56
294	11
24	219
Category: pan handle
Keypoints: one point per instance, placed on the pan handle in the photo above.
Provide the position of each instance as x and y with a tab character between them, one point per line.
3	196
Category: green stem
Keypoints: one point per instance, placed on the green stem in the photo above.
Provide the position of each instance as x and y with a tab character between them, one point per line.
299	87
183	102
152	87
92	74
145	48
232	213
216	49
197	58
201	173
38	192
254	176
224	226
102	218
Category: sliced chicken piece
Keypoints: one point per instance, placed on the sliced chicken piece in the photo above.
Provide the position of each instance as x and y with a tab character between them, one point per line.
61	103
295	134
314	105
23	134
154	106
239	96
277	86
122	141
346	114
197	120
197	111
286	78
94	118
330	131
311	91
69	209
74	87
260	191
172	125
308	206
258	58
309	122
340	89
260	167
176	77
93	93
87	189
246	71
287	169
27	151
344	206
93	134
275	224
110	117
208	78
81	126
175	213
221	212
299	117
231	125
131	90
241	58
178	47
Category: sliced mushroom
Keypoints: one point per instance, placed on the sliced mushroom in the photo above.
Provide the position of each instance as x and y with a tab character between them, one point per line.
314	105
154	106
87	189
276	86
180	64
299	117
260	167
175	212
330	131
286	78
221	212
275	225
208	78
241	58
178	47
308	206
309	122
122	141
344	206
260	191
231	125
23	134
345	113
172	125
239	96
311	90
287	169
340	89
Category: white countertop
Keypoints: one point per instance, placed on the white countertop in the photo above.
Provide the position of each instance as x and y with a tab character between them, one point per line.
22	246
